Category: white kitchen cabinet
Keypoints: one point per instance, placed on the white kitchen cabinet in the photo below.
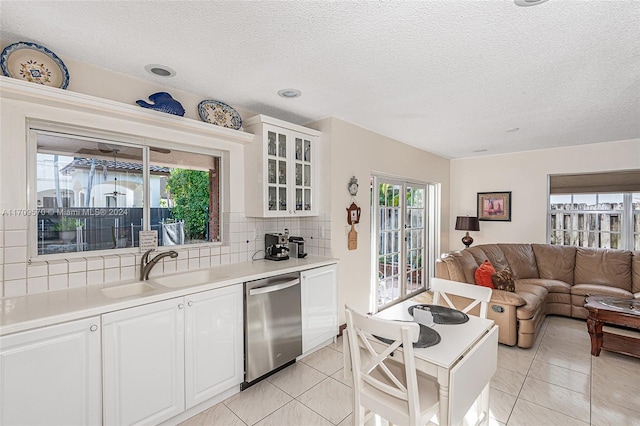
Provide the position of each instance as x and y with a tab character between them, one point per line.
144	363
51	375
319	306
281	169
214	351
163	358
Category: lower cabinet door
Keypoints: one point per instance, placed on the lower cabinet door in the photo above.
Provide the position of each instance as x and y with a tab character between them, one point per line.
214	350
319	306
143	369
51	375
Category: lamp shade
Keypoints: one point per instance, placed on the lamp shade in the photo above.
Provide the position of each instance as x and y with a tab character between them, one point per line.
467	223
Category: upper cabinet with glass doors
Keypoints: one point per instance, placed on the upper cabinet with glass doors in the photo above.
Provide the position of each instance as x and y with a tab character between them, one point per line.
281	169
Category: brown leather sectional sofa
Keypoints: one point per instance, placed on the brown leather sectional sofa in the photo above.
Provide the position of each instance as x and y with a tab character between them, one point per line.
549	279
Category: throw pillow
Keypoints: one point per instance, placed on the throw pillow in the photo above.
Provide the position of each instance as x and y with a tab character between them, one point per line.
483	274
503	280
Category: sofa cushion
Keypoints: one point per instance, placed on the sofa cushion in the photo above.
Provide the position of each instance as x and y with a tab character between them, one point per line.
468	265
532	306
539	291
603	266
484	273
552	286
448	268
503	280
491	252
502	297
555	262
635	272
522	260
584	290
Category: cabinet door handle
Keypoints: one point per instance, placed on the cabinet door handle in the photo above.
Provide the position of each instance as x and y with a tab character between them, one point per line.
181	306
190	303
93	327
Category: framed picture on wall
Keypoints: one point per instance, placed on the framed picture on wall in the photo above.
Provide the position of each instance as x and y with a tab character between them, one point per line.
494	206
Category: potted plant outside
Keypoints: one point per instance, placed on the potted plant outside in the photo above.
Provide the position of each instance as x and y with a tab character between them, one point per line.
67	228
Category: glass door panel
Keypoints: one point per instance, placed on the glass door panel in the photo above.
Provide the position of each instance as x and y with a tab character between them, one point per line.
282	198
282	145
298	149
389	256
271	145
271	173
400	229
414	242
303	170
307	199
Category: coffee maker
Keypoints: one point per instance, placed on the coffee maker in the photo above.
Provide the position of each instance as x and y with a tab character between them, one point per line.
276	247
296	247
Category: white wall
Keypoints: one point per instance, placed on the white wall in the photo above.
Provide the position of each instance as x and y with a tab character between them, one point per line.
349	150
91	80
525	175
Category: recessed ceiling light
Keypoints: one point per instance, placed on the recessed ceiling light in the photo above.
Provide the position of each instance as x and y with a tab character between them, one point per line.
525	3
160	70
480	150
289	93
515	129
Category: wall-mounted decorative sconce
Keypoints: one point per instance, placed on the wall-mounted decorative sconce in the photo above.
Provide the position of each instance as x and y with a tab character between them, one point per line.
467	223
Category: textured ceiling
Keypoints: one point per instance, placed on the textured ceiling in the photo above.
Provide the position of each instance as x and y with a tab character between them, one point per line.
450	77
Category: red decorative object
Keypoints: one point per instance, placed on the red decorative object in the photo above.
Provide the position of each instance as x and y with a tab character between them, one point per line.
483	274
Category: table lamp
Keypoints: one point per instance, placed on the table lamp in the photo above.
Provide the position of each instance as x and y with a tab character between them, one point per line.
467	223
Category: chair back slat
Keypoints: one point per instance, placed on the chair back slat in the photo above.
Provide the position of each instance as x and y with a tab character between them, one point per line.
370	364
384	375
478	294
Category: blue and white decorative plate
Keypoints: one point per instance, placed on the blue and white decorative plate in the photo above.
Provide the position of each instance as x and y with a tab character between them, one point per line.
220	114
34	63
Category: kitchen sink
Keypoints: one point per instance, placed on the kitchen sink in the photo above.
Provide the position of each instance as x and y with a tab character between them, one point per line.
189	278
126	290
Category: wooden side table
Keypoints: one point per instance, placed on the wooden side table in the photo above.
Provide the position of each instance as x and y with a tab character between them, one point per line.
618	312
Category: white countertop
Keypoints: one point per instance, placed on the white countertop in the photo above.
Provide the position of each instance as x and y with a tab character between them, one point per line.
44	309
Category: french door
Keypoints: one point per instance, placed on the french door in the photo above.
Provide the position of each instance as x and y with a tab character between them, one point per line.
400	231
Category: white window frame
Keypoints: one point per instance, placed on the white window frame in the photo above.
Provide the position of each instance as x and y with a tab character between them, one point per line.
35	127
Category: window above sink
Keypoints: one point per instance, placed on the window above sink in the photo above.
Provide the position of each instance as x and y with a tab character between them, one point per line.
90	193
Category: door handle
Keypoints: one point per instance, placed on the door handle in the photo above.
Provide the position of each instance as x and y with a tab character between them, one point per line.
272	288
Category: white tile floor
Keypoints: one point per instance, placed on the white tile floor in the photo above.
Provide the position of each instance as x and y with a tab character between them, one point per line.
557	382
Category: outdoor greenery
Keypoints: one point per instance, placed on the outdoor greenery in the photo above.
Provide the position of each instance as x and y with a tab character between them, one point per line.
389	196
67	224
189	191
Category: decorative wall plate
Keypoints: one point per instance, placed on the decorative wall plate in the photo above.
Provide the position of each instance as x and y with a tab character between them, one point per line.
34	63
220	114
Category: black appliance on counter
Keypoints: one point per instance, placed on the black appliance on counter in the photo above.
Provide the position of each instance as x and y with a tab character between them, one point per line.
276	247
296	247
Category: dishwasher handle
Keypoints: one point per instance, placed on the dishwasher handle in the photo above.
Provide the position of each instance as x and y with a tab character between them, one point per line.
274	287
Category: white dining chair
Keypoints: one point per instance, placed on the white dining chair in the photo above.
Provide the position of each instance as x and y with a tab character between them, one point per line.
442	289
392	389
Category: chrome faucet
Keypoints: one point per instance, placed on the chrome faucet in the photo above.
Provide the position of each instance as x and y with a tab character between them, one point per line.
146	265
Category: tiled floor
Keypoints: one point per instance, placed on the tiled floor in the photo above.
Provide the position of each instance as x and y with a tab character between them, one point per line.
557	382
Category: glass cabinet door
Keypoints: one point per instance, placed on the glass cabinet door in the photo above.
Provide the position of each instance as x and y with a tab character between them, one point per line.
303	168
277	170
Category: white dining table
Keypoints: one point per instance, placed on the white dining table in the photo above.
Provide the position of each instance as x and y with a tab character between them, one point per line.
463	362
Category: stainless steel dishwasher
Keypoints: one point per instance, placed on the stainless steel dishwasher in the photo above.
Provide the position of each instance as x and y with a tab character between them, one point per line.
273	325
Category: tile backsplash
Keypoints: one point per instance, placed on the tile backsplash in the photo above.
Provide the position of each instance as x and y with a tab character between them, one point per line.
243	240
